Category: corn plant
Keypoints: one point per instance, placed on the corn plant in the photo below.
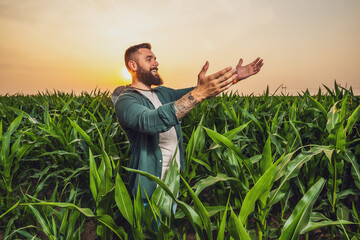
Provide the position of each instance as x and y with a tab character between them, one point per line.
257	167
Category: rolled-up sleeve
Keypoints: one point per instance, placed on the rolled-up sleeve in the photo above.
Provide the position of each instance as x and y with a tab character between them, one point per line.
134	115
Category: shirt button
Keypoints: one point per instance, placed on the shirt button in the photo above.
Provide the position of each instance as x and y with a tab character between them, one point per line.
159	160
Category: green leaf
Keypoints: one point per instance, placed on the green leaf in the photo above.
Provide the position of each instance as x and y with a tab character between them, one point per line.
321	107
10	209
293	169
74	216
41	220
139	209
189	212
300	216
333	118
54	226
355	168
53	195
209	181
236	227
318	220
105	172
195	139
247	114
5	140
352	120
340	138
222	140
86	137
104	219
266	160
95	180
343	110
123	200
221	232
200	209
160	198
109	222
234	132
64	222
262	185
204	164
297	134
85	211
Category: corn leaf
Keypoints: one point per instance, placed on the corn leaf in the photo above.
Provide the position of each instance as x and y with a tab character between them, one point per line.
189	212
172	180
300	217
222	140
221	232
332	118
86	137
5	140
237	229
200	209
210	180
95	180
355	168
352	120
262	185
293	169
266	160
319	106
315	225
41	220
123	200
10	209
110	223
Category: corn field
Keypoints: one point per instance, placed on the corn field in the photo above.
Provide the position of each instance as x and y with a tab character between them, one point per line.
257	167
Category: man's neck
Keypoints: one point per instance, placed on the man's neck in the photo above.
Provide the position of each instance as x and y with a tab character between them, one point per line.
139	85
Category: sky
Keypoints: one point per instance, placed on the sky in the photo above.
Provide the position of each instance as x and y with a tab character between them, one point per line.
78	45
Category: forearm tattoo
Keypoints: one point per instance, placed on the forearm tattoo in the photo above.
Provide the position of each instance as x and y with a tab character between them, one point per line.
184	105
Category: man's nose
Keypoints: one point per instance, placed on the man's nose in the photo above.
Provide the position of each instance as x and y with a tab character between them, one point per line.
156	63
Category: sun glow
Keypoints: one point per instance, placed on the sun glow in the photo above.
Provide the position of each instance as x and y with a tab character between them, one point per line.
125	73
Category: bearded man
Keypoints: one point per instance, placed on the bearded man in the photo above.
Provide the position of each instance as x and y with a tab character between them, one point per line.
151	117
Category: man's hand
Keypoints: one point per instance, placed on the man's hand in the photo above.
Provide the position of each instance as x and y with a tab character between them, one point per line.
248	70
209	86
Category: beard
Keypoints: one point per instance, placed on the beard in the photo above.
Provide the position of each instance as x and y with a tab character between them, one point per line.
148	78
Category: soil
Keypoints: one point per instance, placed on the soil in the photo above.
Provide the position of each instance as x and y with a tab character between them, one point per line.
89	231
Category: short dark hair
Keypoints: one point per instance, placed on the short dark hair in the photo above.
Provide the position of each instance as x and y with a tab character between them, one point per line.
129	53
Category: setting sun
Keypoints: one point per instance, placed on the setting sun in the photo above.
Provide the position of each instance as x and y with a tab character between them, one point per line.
125	73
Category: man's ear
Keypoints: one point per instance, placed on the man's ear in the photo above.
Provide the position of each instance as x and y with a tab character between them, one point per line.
133	66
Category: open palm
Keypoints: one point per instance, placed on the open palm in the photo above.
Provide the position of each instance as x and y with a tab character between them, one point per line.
248	70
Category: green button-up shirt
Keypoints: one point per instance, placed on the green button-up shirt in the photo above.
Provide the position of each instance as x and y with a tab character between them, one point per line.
142	124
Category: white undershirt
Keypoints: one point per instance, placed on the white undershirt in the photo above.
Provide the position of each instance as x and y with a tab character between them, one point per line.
167	140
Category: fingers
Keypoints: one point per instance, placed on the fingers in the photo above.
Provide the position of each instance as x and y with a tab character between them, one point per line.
256	65
204	70
259	65
257	62
221	73
253	63
228	83
228	79
240	62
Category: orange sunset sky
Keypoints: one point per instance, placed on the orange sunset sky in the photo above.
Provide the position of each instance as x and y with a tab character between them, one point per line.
79	45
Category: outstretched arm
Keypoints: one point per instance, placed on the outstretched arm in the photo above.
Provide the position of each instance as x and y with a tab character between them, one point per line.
246	71
208	86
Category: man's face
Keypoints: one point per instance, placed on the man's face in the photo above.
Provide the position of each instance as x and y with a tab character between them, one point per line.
147	71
